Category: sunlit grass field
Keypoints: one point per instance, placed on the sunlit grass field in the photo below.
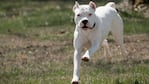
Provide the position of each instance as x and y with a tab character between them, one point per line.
53	22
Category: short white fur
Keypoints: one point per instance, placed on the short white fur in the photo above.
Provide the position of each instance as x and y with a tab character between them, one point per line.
100	21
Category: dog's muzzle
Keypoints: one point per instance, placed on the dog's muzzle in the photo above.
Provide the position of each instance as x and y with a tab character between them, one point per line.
86	27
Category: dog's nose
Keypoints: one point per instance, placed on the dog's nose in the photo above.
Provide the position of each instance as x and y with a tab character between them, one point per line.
85	21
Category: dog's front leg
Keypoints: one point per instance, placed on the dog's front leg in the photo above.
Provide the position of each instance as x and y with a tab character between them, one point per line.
94	46
78	42
76	72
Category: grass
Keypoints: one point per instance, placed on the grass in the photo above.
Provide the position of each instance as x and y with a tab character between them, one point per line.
19	16
53	21
51	74
134	23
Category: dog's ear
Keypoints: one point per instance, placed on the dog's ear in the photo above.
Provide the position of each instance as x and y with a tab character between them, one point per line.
92	5
75	6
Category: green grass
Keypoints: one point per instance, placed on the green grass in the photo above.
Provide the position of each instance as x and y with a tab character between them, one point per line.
36	17
61	73
54	22
19	16
135	23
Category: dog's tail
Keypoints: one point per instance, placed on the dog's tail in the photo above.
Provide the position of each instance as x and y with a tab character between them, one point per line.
111	4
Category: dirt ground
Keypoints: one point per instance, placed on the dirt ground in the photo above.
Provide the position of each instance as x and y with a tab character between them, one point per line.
138	46
22	50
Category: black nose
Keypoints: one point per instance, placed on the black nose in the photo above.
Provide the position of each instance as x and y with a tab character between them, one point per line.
85	21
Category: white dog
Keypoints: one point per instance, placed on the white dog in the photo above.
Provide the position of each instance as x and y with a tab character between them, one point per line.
92	26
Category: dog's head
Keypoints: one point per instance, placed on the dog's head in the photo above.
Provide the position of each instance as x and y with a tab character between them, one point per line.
85	15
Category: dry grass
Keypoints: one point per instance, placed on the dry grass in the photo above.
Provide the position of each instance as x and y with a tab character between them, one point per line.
34	61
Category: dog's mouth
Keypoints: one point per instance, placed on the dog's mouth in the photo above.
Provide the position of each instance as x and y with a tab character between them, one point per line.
85	27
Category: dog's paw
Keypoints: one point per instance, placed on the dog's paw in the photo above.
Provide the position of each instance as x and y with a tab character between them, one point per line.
86	59
75	82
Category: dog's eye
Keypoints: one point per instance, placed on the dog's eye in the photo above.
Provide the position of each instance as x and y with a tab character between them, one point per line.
79	15
90	14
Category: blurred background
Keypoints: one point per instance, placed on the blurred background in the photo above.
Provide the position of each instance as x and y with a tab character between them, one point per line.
23	14
36	44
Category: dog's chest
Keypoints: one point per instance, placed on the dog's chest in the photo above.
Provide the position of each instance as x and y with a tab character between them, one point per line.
86	45
89	35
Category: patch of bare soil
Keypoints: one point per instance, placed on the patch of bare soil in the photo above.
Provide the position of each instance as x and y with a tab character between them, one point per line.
138	47
20	50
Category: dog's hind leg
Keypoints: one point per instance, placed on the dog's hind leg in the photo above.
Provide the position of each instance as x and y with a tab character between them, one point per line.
107	53
117	32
